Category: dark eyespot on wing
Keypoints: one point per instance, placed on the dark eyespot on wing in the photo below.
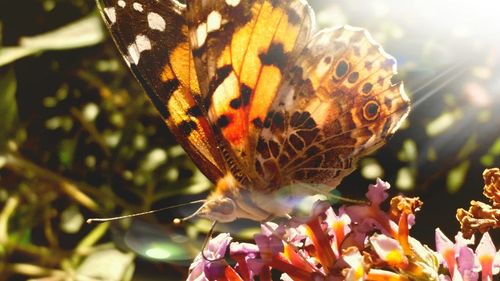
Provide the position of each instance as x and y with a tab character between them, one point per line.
342	69
367	87
353	77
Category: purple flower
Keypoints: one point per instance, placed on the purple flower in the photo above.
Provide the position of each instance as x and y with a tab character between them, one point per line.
246	257
202	269
467	264
377	193
354	243
368	218
451	253
338	227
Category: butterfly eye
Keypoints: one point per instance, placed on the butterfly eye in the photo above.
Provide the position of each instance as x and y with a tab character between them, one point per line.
371	110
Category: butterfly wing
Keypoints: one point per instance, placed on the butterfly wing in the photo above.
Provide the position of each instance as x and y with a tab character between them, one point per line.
152	37
338	103
241	49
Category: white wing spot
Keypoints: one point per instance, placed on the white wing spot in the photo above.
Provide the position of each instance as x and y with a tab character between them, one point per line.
142	42
323	67
214	20
138	7
140	45
156	21
201	35
233	3
133	53
122	3
111	14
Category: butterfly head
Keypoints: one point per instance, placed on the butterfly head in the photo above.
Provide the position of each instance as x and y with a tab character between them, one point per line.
231	201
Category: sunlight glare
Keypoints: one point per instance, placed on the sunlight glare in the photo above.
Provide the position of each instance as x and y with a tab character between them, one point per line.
158	253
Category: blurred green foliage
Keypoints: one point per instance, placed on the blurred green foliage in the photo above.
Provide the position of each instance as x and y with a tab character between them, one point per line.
79	139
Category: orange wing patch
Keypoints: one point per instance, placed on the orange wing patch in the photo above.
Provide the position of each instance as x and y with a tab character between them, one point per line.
249	72
188	120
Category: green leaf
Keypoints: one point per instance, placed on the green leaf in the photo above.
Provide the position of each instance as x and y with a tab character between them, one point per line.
488	160
67	152
81	33
495	148
456	177
406	179
469	147
71	220
409	151
442	123
10	54
106	264
371	169
8	106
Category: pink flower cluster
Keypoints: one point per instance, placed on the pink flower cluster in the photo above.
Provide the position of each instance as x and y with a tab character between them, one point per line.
359	242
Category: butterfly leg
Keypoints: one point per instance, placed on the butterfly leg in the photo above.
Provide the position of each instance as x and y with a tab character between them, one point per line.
205	243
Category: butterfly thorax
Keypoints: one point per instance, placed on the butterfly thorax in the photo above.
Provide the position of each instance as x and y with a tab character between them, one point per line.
230	201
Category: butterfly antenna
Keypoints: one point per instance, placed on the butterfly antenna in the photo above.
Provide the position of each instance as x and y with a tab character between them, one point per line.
92	220
179	221
205	243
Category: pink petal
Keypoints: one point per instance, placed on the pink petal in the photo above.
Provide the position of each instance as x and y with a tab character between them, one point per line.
486	246
377	192
355	260
216	247
389	250
215	270
486	253
467	264
496	263
446	249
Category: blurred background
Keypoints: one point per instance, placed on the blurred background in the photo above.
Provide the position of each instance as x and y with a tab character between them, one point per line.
79	139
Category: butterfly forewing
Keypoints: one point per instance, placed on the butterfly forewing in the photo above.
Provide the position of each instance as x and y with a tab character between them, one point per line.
152	36
241	50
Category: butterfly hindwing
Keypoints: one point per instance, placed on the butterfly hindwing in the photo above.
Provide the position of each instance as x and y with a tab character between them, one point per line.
337	104
152	36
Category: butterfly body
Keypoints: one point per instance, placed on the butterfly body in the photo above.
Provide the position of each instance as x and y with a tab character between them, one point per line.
262	104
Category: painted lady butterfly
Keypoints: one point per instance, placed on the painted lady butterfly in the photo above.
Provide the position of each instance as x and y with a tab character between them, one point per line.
257	99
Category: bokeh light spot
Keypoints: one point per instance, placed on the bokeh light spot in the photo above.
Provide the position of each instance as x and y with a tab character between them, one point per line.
158	253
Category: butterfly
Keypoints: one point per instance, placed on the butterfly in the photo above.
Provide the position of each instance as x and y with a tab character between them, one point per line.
258	99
